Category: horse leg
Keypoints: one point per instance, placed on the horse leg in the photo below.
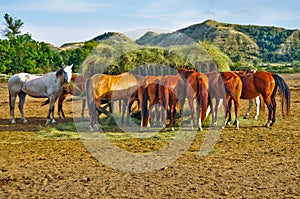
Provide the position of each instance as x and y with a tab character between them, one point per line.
83	107
60	109
151	106
268	102
249	109
191	105
22	97
181	111
50	115
123	109
212	112
130	102
172	115
228	112
12	101
274	109
225	111
236	110
199	113
165	107
257	102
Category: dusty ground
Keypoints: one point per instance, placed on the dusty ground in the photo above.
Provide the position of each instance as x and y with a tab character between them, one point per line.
253	162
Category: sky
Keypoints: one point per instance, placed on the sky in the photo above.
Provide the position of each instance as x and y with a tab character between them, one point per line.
63	21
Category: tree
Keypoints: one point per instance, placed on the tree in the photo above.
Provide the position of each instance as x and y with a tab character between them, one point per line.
13	26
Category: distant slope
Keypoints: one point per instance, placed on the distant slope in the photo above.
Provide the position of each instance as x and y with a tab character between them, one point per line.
246	44
114	37
108	37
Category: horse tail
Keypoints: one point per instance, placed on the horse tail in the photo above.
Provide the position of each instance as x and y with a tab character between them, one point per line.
227	90
90	97
284	91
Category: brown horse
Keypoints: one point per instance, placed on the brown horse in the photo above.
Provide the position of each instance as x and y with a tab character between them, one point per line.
76	88
148	90
233	87
197	87
112	88
217	92
172	89
266	84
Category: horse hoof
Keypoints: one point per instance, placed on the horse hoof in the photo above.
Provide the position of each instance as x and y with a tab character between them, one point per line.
200	129
172	129
25	121
13	122
237	128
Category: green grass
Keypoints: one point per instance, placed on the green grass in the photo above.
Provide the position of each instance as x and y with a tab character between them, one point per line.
51	132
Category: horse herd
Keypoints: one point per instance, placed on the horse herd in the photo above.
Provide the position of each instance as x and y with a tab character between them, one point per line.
168	91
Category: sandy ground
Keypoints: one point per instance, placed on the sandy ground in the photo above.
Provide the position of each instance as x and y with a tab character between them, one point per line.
253	162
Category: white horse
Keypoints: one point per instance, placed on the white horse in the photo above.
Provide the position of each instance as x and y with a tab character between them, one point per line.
48	85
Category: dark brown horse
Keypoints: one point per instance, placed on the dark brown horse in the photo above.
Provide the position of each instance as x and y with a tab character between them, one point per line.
172	89
196	87
233	87
112	88
266	84
76	88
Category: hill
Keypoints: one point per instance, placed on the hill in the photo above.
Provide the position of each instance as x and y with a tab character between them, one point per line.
244	44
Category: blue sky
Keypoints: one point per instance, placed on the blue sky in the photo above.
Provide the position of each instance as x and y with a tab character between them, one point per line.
62	21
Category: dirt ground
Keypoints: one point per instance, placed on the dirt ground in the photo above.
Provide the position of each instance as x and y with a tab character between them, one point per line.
252	162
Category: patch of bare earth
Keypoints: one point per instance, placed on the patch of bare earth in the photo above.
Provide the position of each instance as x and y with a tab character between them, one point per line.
254	161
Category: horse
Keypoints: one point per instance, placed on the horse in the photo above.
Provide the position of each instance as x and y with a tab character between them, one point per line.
266	84
148	90
233	87
171	90
257	99
197	87
49	85
217	92
75	88
111	87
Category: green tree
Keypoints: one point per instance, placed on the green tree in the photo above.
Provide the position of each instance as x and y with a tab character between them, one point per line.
13	26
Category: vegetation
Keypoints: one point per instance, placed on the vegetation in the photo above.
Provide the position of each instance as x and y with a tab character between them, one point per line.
204	46
20	53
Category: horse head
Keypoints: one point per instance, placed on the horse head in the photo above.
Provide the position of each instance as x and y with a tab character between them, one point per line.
68	72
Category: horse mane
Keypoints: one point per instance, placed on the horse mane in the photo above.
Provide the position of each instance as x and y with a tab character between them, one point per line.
59	72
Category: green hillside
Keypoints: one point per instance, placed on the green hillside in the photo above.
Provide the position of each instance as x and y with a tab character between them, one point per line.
247	45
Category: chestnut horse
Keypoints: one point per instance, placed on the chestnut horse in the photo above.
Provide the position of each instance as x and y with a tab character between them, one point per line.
197	86
148	90
266	84
112	88
76	88
233	87
172	89
217	92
